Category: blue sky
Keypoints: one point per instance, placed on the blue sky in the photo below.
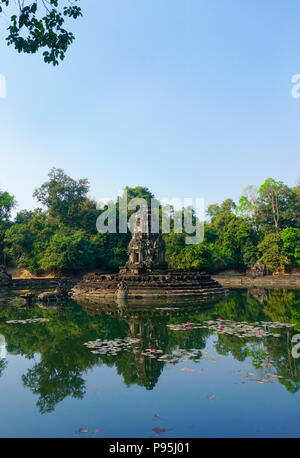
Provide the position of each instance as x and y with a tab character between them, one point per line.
191	98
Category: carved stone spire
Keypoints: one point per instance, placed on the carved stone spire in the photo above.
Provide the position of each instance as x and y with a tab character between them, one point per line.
146	250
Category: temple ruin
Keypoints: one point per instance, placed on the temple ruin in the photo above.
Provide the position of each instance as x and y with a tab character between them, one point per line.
146	272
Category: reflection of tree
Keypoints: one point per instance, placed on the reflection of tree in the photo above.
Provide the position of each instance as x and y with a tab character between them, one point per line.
239	306
283	306
231	344
285	365
3	365
59	342
150	326
64	360
54	383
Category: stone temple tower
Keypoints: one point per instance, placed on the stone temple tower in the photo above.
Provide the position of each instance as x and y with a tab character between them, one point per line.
146	274
146	250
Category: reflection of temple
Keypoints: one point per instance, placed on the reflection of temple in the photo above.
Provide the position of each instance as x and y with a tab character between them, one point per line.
61	369
146	308
145	274
153	334
147	323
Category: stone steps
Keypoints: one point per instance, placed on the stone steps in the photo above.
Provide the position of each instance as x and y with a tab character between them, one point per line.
150	284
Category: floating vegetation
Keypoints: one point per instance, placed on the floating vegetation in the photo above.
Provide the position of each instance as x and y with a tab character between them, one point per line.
31	320
179	355
112	347
187	369
267	378
261	362
275	324
239	329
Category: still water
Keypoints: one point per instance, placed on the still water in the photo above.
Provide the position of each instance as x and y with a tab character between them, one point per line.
218	385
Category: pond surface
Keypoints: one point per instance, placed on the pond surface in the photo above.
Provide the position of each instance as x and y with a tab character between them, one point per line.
238	384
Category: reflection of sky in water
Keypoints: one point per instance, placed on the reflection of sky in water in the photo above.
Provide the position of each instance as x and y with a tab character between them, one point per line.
62	388
2	347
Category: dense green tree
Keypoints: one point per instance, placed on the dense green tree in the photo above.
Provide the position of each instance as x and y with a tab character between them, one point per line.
221	213
7	203
139	192
234	238
23	216
273	207
174	245
63	196
280	250
68	250
20	239
27	240
40	24
291	245
277	206
247	202
195	257
272	254
241	240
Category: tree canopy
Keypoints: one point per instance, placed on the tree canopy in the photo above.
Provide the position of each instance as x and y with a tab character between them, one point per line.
62	236
7	203
40	25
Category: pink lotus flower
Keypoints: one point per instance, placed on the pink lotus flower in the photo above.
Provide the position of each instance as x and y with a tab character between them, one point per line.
188	323
219	319
153	349
221	327
258	332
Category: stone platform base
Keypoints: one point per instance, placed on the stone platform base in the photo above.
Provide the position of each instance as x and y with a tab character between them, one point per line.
167	284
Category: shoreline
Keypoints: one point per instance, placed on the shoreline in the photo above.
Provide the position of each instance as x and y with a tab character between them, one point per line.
288	281
44	282
285	281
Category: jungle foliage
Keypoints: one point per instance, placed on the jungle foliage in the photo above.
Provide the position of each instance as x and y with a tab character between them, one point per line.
62	234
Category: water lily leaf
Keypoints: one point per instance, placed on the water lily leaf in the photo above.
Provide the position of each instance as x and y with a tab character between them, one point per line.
187	369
